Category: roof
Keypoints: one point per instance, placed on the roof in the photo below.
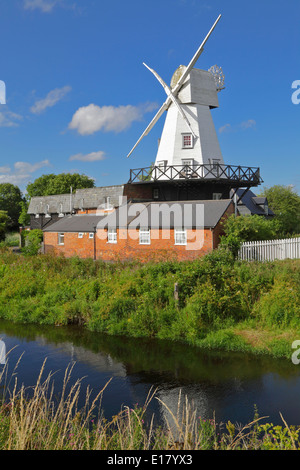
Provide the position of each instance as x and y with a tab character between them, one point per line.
177	214
75	223
90	198
252	204
55	204
154	215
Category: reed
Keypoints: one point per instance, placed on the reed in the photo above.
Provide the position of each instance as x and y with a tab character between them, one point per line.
34	419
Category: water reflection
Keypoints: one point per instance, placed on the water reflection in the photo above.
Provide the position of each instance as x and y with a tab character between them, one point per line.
227	385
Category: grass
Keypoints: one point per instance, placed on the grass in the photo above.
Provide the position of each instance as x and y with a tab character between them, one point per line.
40	421
223	304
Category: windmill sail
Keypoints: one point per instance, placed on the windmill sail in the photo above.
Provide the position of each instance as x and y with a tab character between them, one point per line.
172	93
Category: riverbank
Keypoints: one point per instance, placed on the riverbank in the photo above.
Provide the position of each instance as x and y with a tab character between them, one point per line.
218	303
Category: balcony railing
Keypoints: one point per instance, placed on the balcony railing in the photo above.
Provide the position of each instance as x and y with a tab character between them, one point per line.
208	172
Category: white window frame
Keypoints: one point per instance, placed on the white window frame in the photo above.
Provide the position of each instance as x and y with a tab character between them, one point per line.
80	235
144	237
61	239
112	235
91	235
188	162
187	145
180	237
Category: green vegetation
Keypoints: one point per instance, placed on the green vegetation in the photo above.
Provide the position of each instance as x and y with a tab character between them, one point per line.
223	304
3	224
285	203
247	228
49	184
42	421
32	240
11	200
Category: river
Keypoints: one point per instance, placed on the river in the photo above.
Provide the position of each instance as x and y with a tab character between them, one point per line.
226	386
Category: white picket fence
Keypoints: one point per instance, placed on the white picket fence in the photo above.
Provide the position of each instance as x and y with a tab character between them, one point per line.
270	250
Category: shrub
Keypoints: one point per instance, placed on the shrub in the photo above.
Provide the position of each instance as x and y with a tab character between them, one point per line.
33	240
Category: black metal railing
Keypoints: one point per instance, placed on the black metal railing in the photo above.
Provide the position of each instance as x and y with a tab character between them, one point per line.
208	172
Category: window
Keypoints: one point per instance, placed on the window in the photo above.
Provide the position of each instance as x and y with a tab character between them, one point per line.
180	237
91	235
60	211
217	196
48	216
215	163
155	193
145	237
61	238
80	235
188	166
112	235
162	164
187	141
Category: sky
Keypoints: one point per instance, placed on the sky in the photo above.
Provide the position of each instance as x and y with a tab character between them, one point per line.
78	97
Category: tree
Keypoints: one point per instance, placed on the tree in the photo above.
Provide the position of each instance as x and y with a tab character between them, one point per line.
50	184
4	219
285	203
33	240
10	201
24	218
246	228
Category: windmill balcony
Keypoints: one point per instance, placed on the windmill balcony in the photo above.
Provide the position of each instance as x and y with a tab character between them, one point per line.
233	175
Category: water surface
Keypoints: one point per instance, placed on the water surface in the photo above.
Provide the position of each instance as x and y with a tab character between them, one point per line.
224	385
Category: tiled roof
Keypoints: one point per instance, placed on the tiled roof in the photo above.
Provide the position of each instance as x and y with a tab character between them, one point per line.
154	215
91	198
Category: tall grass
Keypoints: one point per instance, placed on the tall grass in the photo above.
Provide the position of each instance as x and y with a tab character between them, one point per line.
33	419
217	297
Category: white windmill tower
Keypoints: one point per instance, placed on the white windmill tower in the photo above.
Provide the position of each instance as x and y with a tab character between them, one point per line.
189	138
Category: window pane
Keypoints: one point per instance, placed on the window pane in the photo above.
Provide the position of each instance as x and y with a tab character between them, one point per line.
112	236
144	237
180	237
61	238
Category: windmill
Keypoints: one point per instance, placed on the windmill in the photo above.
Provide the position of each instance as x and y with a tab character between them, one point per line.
189	137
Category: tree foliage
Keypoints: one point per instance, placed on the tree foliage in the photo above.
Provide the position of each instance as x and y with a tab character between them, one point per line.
4	219
10	202
285	203
247	228
51	184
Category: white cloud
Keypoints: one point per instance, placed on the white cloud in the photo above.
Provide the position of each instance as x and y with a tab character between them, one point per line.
90	157
21	172
225	128
250	124
4	169
46	6
8	118
50	100
92	118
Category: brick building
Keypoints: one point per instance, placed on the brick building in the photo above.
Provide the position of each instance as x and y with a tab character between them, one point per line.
142	231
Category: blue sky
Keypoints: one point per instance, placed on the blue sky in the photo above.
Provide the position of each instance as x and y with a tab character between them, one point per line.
78	96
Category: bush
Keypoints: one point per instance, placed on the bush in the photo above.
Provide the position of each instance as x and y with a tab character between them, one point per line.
33	240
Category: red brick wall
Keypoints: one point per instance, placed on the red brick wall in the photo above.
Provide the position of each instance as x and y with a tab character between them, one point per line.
199	243
162	245
82	247
218	230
